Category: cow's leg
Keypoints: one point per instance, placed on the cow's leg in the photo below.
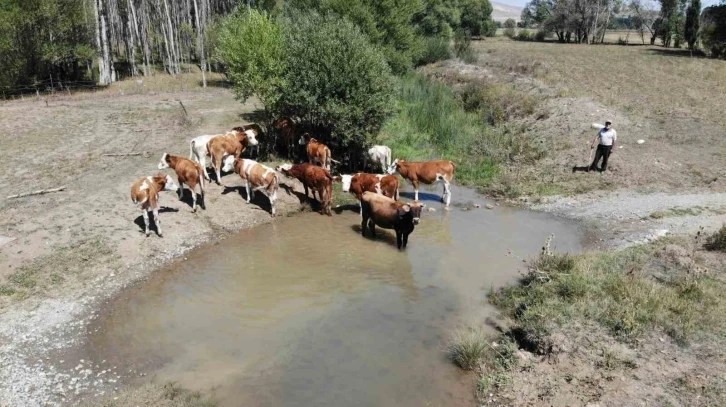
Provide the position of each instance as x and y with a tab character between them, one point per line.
203	162
145	213
180	191
157	222
447	191
201	195
193	190
405	240
249	191
415	189
306	190
372	226
363	222
218	169
273	198
399	240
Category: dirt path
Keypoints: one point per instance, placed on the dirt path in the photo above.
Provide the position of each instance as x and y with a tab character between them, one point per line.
62	253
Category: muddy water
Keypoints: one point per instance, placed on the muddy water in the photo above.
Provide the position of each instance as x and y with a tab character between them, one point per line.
306	312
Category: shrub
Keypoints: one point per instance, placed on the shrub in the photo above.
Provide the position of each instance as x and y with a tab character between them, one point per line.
335	79
717	241
468	347
510	32
510	23
524	35
435	49
462	47
541	35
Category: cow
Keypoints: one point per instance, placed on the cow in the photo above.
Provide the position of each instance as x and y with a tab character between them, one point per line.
145	193
256	176
379	157
198	149
288	128
187	172
427	172
361	182
232	143
254	150
314	178
389	214
317	151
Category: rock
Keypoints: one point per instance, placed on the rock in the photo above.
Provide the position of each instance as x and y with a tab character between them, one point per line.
641	141
478	206
432	209
489	206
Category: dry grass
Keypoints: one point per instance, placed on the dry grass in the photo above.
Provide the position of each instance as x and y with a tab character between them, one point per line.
644	80
155	395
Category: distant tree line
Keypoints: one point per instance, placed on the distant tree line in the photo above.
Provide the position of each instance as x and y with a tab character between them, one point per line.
673	22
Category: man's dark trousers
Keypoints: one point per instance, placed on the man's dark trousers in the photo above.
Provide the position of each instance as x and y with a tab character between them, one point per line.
604	153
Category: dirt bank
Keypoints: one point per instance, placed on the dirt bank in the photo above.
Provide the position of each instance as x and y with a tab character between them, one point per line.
64	252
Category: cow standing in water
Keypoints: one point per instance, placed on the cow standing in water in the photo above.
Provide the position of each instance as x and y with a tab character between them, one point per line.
427	172
361	182
315	178
382	211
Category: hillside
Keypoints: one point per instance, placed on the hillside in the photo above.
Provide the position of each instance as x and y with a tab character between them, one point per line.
504	11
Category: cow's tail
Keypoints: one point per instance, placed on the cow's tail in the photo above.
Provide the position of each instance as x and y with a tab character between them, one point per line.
191	150
202	174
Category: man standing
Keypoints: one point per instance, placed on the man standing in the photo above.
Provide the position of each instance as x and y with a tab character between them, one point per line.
606	138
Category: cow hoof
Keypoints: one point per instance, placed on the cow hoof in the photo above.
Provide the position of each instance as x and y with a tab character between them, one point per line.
148	234
194	210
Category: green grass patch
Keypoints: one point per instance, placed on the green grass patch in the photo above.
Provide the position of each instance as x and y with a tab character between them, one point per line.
155	395
629	292
717	241
433	122
6	290
675	212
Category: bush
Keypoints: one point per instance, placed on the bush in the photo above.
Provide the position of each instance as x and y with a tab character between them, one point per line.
717	241
435	49
476	17
541	35
335	79
524	35
510	32
510	23
462	47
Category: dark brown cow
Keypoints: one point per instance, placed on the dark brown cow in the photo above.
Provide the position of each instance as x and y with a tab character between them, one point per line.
317	151
361	182
315	178
427	172
145	193
232	143
288	129
187	172
386	213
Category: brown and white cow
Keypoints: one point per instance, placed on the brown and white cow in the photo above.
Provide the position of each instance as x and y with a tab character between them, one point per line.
361	182
314	178
145	193
317	151
232	143
288	127
427	172
256	176
188	173
382	211
254	150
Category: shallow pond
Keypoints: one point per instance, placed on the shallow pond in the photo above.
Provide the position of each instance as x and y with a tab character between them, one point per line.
306	312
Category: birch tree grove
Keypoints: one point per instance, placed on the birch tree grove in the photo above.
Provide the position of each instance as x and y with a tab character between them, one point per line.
51	43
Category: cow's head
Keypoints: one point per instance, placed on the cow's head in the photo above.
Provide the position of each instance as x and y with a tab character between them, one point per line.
228	163
305	139
394	165
169	184
416	209
164	163
252	137
283	168
345	181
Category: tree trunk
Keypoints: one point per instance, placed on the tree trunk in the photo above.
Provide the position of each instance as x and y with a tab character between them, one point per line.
200	45
173	57
105	65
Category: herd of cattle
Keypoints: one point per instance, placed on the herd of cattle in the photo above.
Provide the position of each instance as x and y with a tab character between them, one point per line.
377	194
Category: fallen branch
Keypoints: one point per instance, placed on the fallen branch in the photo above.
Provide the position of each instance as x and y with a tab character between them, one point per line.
39	192
120	154
185	109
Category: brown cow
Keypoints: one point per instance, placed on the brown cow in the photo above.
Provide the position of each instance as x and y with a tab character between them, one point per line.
386	213
313	177
256	132
187	172
232	143
145	193
361	182
317	151
256	176
427	172
288	128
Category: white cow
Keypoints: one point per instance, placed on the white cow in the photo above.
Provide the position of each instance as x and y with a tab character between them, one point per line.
198	148
379	157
